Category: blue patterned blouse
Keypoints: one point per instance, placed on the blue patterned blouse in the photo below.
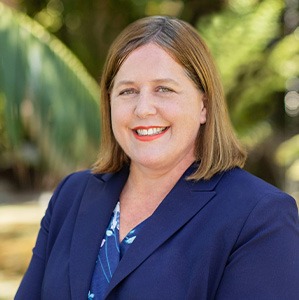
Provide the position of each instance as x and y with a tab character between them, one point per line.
110	253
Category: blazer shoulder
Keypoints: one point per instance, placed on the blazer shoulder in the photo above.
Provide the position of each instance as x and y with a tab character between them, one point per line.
77	181
70	190
67	199
248	188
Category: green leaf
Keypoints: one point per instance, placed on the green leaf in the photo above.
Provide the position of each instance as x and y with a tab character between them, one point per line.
49	98
255	61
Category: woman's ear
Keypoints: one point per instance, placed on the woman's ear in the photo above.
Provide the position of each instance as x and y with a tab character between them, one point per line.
203	112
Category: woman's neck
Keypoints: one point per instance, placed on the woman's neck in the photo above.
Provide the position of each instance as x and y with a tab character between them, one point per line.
145	178
143	192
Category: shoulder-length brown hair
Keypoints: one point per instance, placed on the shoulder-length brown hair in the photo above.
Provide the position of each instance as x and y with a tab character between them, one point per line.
217	148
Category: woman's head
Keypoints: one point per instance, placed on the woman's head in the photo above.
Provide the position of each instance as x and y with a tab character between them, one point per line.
216	147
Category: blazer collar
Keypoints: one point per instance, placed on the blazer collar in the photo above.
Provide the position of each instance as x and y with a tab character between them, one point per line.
98	202
184	201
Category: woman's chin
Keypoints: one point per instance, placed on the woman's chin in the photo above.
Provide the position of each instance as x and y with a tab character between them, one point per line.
149	163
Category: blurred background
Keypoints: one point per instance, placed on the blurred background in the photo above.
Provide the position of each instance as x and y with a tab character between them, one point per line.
51	57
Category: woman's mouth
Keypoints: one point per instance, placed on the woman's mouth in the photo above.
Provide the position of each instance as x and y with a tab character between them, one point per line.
150	131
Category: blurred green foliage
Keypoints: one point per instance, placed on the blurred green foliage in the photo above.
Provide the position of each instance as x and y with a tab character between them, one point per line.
49	103
48	100
245	39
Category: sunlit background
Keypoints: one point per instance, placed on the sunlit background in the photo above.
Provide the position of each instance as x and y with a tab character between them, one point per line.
51	56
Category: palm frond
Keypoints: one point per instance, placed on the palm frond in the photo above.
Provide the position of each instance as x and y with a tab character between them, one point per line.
48	98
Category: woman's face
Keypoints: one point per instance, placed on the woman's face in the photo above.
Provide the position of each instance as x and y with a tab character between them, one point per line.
156	110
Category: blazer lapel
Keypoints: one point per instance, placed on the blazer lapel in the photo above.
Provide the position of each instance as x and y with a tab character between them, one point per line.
184	201
98	201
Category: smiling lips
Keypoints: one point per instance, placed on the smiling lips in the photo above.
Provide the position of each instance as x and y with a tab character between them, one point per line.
149	133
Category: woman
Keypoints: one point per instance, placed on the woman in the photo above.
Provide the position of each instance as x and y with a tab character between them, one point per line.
167	212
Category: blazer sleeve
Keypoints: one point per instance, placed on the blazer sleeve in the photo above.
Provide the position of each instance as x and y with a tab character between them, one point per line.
264	263
31	284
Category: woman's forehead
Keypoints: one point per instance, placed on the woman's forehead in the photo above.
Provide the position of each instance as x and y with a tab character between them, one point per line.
152	59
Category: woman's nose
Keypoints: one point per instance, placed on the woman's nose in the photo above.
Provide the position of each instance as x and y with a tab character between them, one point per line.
145	106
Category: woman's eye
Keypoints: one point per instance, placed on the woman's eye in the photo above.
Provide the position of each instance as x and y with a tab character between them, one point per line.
128	92
164	89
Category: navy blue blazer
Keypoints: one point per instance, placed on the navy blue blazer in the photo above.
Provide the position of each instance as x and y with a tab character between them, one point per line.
231	237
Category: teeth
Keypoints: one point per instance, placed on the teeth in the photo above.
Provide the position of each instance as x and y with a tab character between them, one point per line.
151	131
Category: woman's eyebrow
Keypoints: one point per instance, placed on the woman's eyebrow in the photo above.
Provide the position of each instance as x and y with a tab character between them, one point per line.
156	81
123	82
166	80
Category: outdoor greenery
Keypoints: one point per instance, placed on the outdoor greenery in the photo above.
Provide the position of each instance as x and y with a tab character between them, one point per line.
49	103
49	120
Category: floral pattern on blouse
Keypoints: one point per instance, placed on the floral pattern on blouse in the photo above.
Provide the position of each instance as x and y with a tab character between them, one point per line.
109	255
